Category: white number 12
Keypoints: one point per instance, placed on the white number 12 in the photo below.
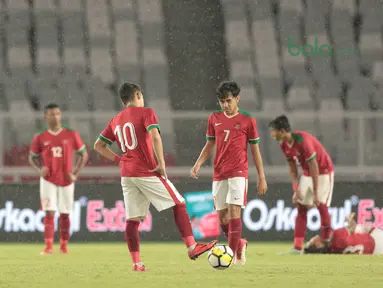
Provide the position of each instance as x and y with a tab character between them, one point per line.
123	139
227	135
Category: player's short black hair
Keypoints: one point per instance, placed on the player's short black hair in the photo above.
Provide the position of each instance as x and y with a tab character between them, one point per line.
281	122
314	250
226	88
127	91
51	106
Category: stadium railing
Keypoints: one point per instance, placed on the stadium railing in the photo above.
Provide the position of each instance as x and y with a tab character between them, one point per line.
278	173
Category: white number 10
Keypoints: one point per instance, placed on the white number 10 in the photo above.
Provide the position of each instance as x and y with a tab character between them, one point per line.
123	139
227	135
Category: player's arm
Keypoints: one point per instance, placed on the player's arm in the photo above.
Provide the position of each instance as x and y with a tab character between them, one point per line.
34	154
253	139
293	170
81	154
102	143
310	157
157	146
34	161
206	152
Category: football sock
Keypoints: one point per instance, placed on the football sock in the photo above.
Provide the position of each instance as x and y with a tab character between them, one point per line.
181	217
225	229
235	232
325	221
133	240
64	228
300	227
49	231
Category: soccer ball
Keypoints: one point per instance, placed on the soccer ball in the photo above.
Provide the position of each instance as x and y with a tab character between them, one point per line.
220	257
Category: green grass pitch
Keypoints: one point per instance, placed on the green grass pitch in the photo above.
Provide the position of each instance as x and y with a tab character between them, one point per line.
108	265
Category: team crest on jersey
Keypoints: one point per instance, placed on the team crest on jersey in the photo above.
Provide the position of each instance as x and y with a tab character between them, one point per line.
46	143
65	141
237	126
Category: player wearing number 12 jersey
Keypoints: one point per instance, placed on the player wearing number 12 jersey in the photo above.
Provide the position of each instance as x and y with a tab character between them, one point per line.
51	155
316	184
230	130
144	182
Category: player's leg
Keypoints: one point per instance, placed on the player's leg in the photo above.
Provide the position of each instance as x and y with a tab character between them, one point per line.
65	206
325	189
236	199
220	190
163	195
137	208
48	198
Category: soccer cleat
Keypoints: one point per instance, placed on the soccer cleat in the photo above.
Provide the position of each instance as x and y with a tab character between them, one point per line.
240	258
63	250
47	251
139	268
292	252
199	249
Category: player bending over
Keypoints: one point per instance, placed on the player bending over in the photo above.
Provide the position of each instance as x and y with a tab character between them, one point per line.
316	184
355	239
230	129
144	182
51	155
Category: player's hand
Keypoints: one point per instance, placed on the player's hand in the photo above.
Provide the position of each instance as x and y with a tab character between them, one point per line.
160	169
262	186
194	171
44	171
296	196
72	177
316	200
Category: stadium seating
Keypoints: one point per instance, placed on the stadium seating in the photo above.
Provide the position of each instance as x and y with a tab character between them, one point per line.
76	53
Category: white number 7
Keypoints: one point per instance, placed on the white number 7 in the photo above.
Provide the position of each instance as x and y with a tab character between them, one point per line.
227	135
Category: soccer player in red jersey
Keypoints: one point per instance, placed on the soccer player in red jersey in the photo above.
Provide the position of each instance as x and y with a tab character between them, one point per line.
144	182
230	130
51	155
316	184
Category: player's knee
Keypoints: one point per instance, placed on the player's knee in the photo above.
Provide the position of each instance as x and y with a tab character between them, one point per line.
50	213
223	216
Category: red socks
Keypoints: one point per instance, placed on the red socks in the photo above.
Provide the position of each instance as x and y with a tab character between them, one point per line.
325	222
225	229
300	227
133	239
49	231
181	217
64	229
235	232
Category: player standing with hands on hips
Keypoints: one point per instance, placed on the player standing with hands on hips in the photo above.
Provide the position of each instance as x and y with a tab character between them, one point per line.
144	182
51	154
317	182
230	129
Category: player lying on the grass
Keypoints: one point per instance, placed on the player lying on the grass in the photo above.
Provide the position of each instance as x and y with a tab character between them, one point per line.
230	130
51	155
315	185
355	239
144	182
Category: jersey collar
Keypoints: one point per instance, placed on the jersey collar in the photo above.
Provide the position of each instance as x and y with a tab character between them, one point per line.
131	105
55	133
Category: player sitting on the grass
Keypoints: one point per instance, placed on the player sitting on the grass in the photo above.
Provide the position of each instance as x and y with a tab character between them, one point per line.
315	185
144	182
355	239
51	154
230	130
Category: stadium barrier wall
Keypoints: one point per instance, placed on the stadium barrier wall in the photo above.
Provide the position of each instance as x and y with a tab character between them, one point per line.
99	213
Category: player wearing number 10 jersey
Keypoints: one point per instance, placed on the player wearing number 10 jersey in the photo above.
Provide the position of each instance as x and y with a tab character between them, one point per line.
51	155
230	130
144	182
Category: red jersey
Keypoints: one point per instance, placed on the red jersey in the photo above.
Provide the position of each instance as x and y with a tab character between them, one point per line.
231	135
342	242
306	148
56	150
129	129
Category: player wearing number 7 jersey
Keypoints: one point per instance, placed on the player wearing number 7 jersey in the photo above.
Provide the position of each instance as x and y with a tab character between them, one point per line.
144	182
51	155
230	130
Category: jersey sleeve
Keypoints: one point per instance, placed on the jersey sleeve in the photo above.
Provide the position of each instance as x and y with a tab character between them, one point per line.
252	132
150	120
79	145
210	131
35	148
107	134
287	157
308	150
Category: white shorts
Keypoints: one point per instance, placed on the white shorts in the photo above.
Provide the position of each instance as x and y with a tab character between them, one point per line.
230	191
325	188
377	234
55	197
139	192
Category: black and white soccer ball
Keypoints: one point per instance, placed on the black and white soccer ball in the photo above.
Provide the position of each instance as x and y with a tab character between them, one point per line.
220	257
